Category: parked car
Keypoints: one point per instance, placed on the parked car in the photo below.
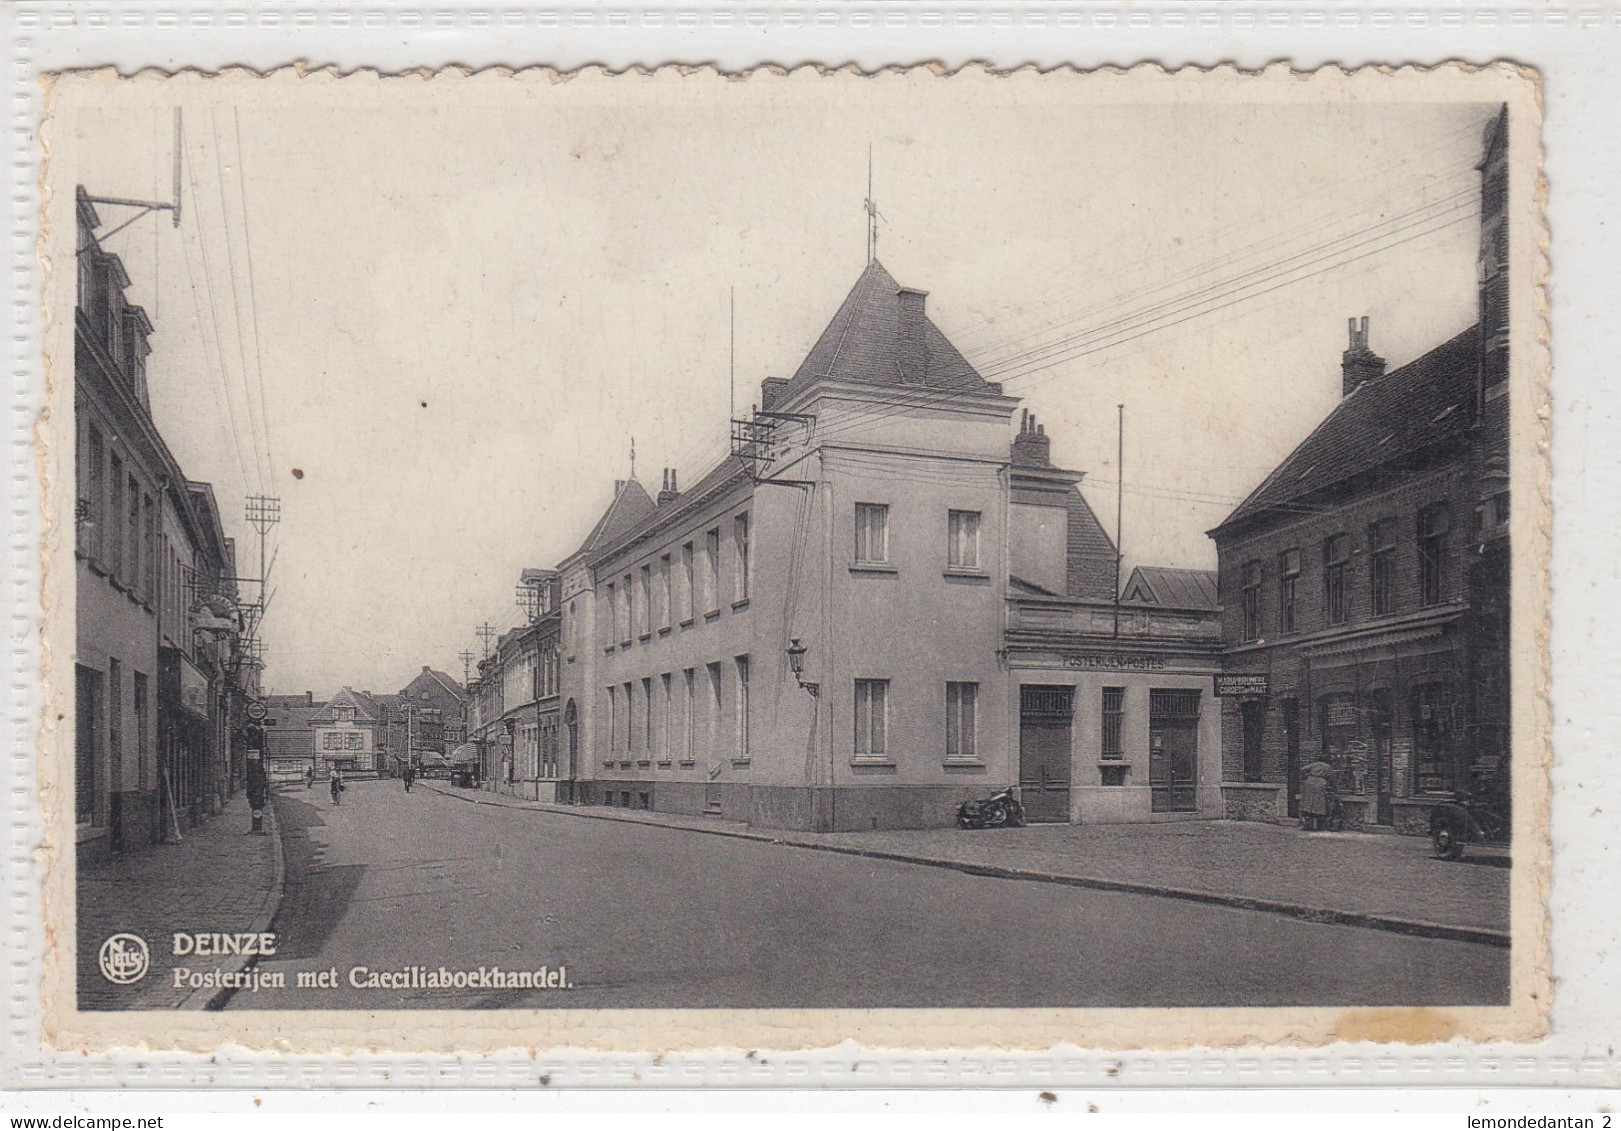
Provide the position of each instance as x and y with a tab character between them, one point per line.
1479	815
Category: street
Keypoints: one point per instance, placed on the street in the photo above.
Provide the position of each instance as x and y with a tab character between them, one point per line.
643	916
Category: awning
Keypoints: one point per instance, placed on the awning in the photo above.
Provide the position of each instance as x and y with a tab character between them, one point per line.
465	754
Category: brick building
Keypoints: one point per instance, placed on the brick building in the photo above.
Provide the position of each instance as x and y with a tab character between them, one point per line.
1366	578
425	717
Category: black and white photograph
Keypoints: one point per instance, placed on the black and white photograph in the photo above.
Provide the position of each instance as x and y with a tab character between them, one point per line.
797	545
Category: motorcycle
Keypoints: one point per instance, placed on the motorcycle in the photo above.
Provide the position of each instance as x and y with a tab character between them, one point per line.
999	810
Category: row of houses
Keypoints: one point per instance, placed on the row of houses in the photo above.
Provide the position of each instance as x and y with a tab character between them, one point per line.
161	676
362	732
889	598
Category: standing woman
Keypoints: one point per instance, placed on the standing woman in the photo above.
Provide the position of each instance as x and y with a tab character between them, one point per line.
337	786
1314	796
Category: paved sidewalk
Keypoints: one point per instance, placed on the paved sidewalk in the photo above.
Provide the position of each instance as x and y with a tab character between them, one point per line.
1360	879
220	878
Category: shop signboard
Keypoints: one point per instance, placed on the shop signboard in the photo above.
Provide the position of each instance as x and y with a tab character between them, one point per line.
1114	662
193	689
1241	683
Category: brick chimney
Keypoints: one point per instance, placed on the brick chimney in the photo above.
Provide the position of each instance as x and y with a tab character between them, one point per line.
669	492
914	345
1031	447
770	390
1359	363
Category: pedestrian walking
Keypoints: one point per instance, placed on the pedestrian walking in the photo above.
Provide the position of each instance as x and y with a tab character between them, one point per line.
309	778
1314	796
410	776
337	786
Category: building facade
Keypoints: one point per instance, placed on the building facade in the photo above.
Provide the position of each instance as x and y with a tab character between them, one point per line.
425	719
882	603
158	670
1365	583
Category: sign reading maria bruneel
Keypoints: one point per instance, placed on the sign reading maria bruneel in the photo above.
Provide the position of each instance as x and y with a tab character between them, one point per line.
1234	683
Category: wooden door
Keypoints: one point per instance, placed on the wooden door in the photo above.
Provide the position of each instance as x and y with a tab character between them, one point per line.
1045	716
1291	740
1173	751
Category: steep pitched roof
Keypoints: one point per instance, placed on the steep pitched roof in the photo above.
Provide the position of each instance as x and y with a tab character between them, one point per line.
863	343
631	504
1172	588
450	684
1089	554
366	709
718	479
1423	403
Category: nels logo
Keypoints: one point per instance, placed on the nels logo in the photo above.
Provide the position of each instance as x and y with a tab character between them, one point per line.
124	959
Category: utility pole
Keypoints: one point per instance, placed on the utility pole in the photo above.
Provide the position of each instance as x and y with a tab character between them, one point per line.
467	666
263	512
486	633
1119	507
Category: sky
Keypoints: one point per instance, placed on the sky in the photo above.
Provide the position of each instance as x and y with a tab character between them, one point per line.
433	326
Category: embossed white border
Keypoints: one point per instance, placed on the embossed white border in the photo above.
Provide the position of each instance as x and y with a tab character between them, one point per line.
1572	46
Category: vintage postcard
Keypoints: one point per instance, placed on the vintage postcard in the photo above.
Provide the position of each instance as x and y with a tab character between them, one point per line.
671	561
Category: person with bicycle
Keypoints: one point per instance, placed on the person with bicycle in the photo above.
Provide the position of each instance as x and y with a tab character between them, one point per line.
336	785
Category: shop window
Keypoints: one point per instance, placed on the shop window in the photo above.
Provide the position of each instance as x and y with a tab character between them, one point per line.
1433	524
1252	600
1344	747
1254	714
1114	718
1288	579
1433	726
1382	567
1336	571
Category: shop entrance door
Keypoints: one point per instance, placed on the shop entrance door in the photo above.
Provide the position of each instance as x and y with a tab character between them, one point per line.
1383	770
1173	751
1045	715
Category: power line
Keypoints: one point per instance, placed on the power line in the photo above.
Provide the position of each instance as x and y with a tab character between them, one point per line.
253	294
236	304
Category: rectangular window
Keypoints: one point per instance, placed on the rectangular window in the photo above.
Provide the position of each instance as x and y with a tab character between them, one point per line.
613	613
872	533
86	732
872	718
1433	718
742	708
740	540
630	608
689	715
1254	715
115	726
1432	542
713	671
1288	579
630	717
1252	601
93	490
613	726
149	558
647	717
963	546
665	705
132	501
115	516
1114	717
143	750
667	590
644	626
712	570
689	584
1382	567
962	721
1336	569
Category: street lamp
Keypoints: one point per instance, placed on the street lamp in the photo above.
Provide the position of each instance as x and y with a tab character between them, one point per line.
796	664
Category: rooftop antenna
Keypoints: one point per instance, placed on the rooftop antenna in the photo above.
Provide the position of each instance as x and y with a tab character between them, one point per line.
145	206
731	357
633	457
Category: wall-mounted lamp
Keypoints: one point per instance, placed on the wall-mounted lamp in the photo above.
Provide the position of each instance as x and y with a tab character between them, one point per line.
796	664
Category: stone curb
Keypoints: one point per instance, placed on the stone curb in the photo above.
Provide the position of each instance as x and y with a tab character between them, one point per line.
210	998
1395	924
